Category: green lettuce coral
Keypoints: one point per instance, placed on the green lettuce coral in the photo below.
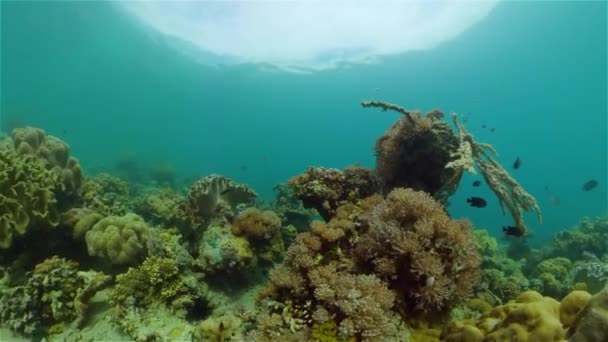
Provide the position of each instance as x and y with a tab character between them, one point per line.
27	196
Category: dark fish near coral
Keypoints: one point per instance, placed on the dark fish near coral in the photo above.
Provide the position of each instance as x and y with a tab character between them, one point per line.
517	163
476	183
477	202
513	231
590	185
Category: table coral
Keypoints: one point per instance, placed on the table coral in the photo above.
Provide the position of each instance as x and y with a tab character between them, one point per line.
120	239
27	196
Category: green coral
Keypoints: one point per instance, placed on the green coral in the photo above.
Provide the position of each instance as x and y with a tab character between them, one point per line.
157	281
553	278
107	195
46	299
27	196
327	332
222	251
120	239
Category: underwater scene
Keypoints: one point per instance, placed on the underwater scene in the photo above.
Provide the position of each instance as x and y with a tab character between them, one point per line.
244	171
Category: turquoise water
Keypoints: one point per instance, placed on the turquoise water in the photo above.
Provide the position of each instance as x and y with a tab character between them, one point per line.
536	72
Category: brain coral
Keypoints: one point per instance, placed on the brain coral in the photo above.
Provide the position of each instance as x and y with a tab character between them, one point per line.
121	239
27	196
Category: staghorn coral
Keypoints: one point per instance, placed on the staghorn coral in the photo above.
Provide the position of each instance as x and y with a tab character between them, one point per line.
54	152
120	239
213	193
509	192
55	292
413	153
326	189
27	196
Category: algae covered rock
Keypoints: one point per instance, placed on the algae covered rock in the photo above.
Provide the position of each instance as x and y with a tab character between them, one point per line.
120	239
27	196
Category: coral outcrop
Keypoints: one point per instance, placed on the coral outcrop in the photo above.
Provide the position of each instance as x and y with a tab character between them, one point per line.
213	193
106	194
27	196
55	293
531	317
53	151
369	267
326	189
119	239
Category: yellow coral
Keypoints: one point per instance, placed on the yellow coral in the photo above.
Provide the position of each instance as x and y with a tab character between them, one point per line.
121	239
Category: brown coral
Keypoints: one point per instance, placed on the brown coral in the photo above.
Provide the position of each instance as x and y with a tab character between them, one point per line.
414	151
326	189
436	260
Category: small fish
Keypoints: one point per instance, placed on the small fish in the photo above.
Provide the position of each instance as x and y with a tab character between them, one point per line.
513	231
590	185
243	167
64	131
477	202
476	183
551	197
517	163
483	126
492	129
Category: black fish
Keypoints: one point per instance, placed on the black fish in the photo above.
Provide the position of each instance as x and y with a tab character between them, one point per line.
483	126
517	163
477	202
513	231
476	183
590	185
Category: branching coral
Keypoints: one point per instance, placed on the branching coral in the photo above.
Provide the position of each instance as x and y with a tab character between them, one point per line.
405	247
326	189
27	196
120	239
428	258
509	192
414	151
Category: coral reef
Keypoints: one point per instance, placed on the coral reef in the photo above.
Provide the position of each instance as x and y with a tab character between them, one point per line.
370	266
27	196
509	192
55	293
119	239
290	209
214	193
531	317
222	251
106	194
158	281
54	152
591	323
413	153
263	231
326	189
